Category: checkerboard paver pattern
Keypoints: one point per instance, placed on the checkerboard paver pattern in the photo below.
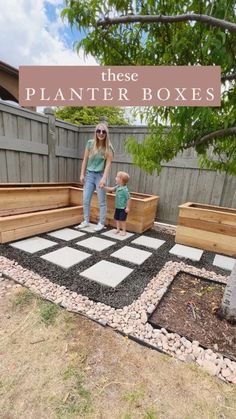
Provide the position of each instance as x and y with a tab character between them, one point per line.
130	254
107	273
66	234
186	252
66	257
96	243
33	244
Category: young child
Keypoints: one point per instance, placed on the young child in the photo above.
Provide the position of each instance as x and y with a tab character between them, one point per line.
122	201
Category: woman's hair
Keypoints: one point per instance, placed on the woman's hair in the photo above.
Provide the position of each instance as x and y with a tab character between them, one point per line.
107	147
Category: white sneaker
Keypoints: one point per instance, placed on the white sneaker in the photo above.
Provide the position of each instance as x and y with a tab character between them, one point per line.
84	224
99	227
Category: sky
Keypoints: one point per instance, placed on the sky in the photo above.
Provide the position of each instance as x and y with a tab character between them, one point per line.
33	33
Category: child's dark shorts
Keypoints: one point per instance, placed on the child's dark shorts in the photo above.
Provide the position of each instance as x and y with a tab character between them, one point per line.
120	214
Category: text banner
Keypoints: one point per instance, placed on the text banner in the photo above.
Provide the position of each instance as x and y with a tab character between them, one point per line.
119	85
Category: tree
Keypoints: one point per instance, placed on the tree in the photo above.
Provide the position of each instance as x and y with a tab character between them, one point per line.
91	115
191	32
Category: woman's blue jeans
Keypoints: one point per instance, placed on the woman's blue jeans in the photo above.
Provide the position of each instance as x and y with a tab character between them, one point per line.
91	184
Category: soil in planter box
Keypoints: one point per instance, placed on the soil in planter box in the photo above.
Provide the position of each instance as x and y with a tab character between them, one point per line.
189	307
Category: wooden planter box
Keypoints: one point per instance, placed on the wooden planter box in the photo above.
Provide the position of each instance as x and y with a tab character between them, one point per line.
142	211
207	227
33	210
26	211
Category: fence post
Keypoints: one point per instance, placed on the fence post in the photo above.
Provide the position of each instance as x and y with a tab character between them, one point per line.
51	144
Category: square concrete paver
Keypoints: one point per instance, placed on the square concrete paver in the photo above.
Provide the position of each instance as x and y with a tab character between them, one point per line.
224	262
148	242
66	257
33	244
107	273
96	243
66	234
186	252
112	235
132	255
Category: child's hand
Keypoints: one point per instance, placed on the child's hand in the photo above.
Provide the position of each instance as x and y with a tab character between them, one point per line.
102	184
126	210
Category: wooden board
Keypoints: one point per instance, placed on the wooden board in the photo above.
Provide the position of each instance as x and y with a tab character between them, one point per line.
215	242
22	200
41	184
211	214
208	227
221	228
26	225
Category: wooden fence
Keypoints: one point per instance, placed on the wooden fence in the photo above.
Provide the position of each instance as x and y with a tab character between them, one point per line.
37	148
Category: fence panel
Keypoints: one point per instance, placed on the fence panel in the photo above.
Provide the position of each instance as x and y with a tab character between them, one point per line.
37	148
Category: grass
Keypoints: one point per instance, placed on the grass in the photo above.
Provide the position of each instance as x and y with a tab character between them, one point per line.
48	311
23	298
133	397
150	413
79	398
60	377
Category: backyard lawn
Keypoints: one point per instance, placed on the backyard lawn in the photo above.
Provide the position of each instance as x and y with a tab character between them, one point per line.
56	364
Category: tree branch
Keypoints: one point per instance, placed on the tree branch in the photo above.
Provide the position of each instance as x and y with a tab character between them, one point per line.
215	134
228	77
210	20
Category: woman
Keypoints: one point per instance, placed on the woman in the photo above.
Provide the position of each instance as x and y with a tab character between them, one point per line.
94	172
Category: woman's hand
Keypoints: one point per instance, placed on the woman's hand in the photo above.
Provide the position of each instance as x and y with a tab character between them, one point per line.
81	179
102	183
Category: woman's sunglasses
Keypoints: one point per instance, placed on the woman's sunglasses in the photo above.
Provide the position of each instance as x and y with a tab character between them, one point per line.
101	131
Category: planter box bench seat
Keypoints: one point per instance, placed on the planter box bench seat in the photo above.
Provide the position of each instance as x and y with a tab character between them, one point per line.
28	211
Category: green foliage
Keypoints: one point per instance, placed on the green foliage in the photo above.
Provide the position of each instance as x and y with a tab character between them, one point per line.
151	414
134	396
79	397
23	298
91	115
48	311
182	43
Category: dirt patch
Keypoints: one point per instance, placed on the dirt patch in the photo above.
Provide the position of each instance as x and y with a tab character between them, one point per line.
73	368
189	309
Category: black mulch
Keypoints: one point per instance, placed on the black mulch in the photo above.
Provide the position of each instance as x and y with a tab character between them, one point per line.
129	289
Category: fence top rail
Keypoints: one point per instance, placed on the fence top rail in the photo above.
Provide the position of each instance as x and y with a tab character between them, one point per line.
67	125
117	128
25	113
